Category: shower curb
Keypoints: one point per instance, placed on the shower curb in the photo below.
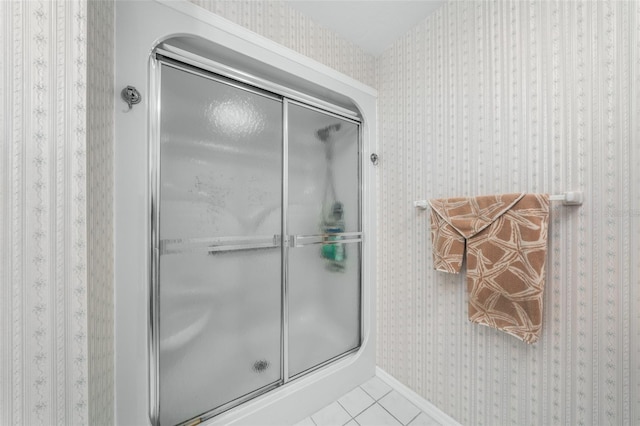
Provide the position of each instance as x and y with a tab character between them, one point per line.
420	402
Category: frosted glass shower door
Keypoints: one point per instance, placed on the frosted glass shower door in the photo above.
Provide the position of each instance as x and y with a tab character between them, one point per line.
219	280
323	221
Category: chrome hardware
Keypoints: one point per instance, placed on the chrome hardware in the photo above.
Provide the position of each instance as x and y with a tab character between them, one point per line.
224	244
342	238
131	96
219	244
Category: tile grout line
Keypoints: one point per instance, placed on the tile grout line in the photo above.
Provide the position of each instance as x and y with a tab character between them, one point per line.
346	411
382	406
415	417
360	412
375	402
374	398
412	419
339	405
313	421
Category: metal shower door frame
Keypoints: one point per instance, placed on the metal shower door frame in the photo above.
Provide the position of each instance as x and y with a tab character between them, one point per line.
221	73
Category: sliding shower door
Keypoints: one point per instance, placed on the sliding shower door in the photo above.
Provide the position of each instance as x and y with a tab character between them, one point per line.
324	224
219	283
256	242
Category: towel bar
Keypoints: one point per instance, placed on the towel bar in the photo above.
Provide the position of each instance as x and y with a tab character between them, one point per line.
571	198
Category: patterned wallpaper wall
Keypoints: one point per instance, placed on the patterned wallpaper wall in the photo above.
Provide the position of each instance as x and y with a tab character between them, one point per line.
277	21
43	242
506	96
100	92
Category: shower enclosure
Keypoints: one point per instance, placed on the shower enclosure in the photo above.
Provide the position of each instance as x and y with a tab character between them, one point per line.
256	239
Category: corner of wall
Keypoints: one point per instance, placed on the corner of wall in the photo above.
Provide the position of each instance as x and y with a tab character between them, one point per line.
100	145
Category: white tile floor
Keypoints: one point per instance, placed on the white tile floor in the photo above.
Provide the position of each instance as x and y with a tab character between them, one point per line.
374	403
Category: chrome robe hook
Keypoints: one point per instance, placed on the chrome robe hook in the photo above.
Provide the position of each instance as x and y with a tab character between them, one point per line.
131	96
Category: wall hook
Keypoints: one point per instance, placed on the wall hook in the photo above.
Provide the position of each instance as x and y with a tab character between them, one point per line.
131	96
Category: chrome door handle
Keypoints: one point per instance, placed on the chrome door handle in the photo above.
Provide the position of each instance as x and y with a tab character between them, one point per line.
219	244
330	238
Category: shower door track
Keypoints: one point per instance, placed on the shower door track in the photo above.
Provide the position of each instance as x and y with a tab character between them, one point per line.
188	62
169	54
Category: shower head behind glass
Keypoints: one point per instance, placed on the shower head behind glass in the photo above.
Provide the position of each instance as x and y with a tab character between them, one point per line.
325	133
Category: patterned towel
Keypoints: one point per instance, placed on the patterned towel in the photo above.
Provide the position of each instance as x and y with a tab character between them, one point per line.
506	239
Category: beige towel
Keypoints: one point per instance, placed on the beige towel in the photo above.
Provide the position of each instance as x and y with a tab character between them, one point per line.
506	239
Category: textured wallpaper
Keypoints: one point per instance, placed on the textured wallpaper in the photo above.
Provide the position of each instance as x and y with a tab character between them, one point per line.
100	92
43	267
277	21
491	97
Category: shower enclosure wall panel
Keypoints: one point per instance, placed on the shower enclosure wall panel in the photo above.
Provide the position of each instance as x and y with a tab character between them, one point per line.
219	223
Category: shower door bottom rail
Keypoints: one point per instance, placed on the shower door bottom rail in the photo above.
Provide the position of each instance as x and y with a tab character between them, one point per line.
324	363
231	404
265	389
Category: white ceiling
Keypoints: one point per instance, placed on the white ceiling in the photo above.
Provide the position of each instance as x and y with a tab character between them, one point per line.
371	24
